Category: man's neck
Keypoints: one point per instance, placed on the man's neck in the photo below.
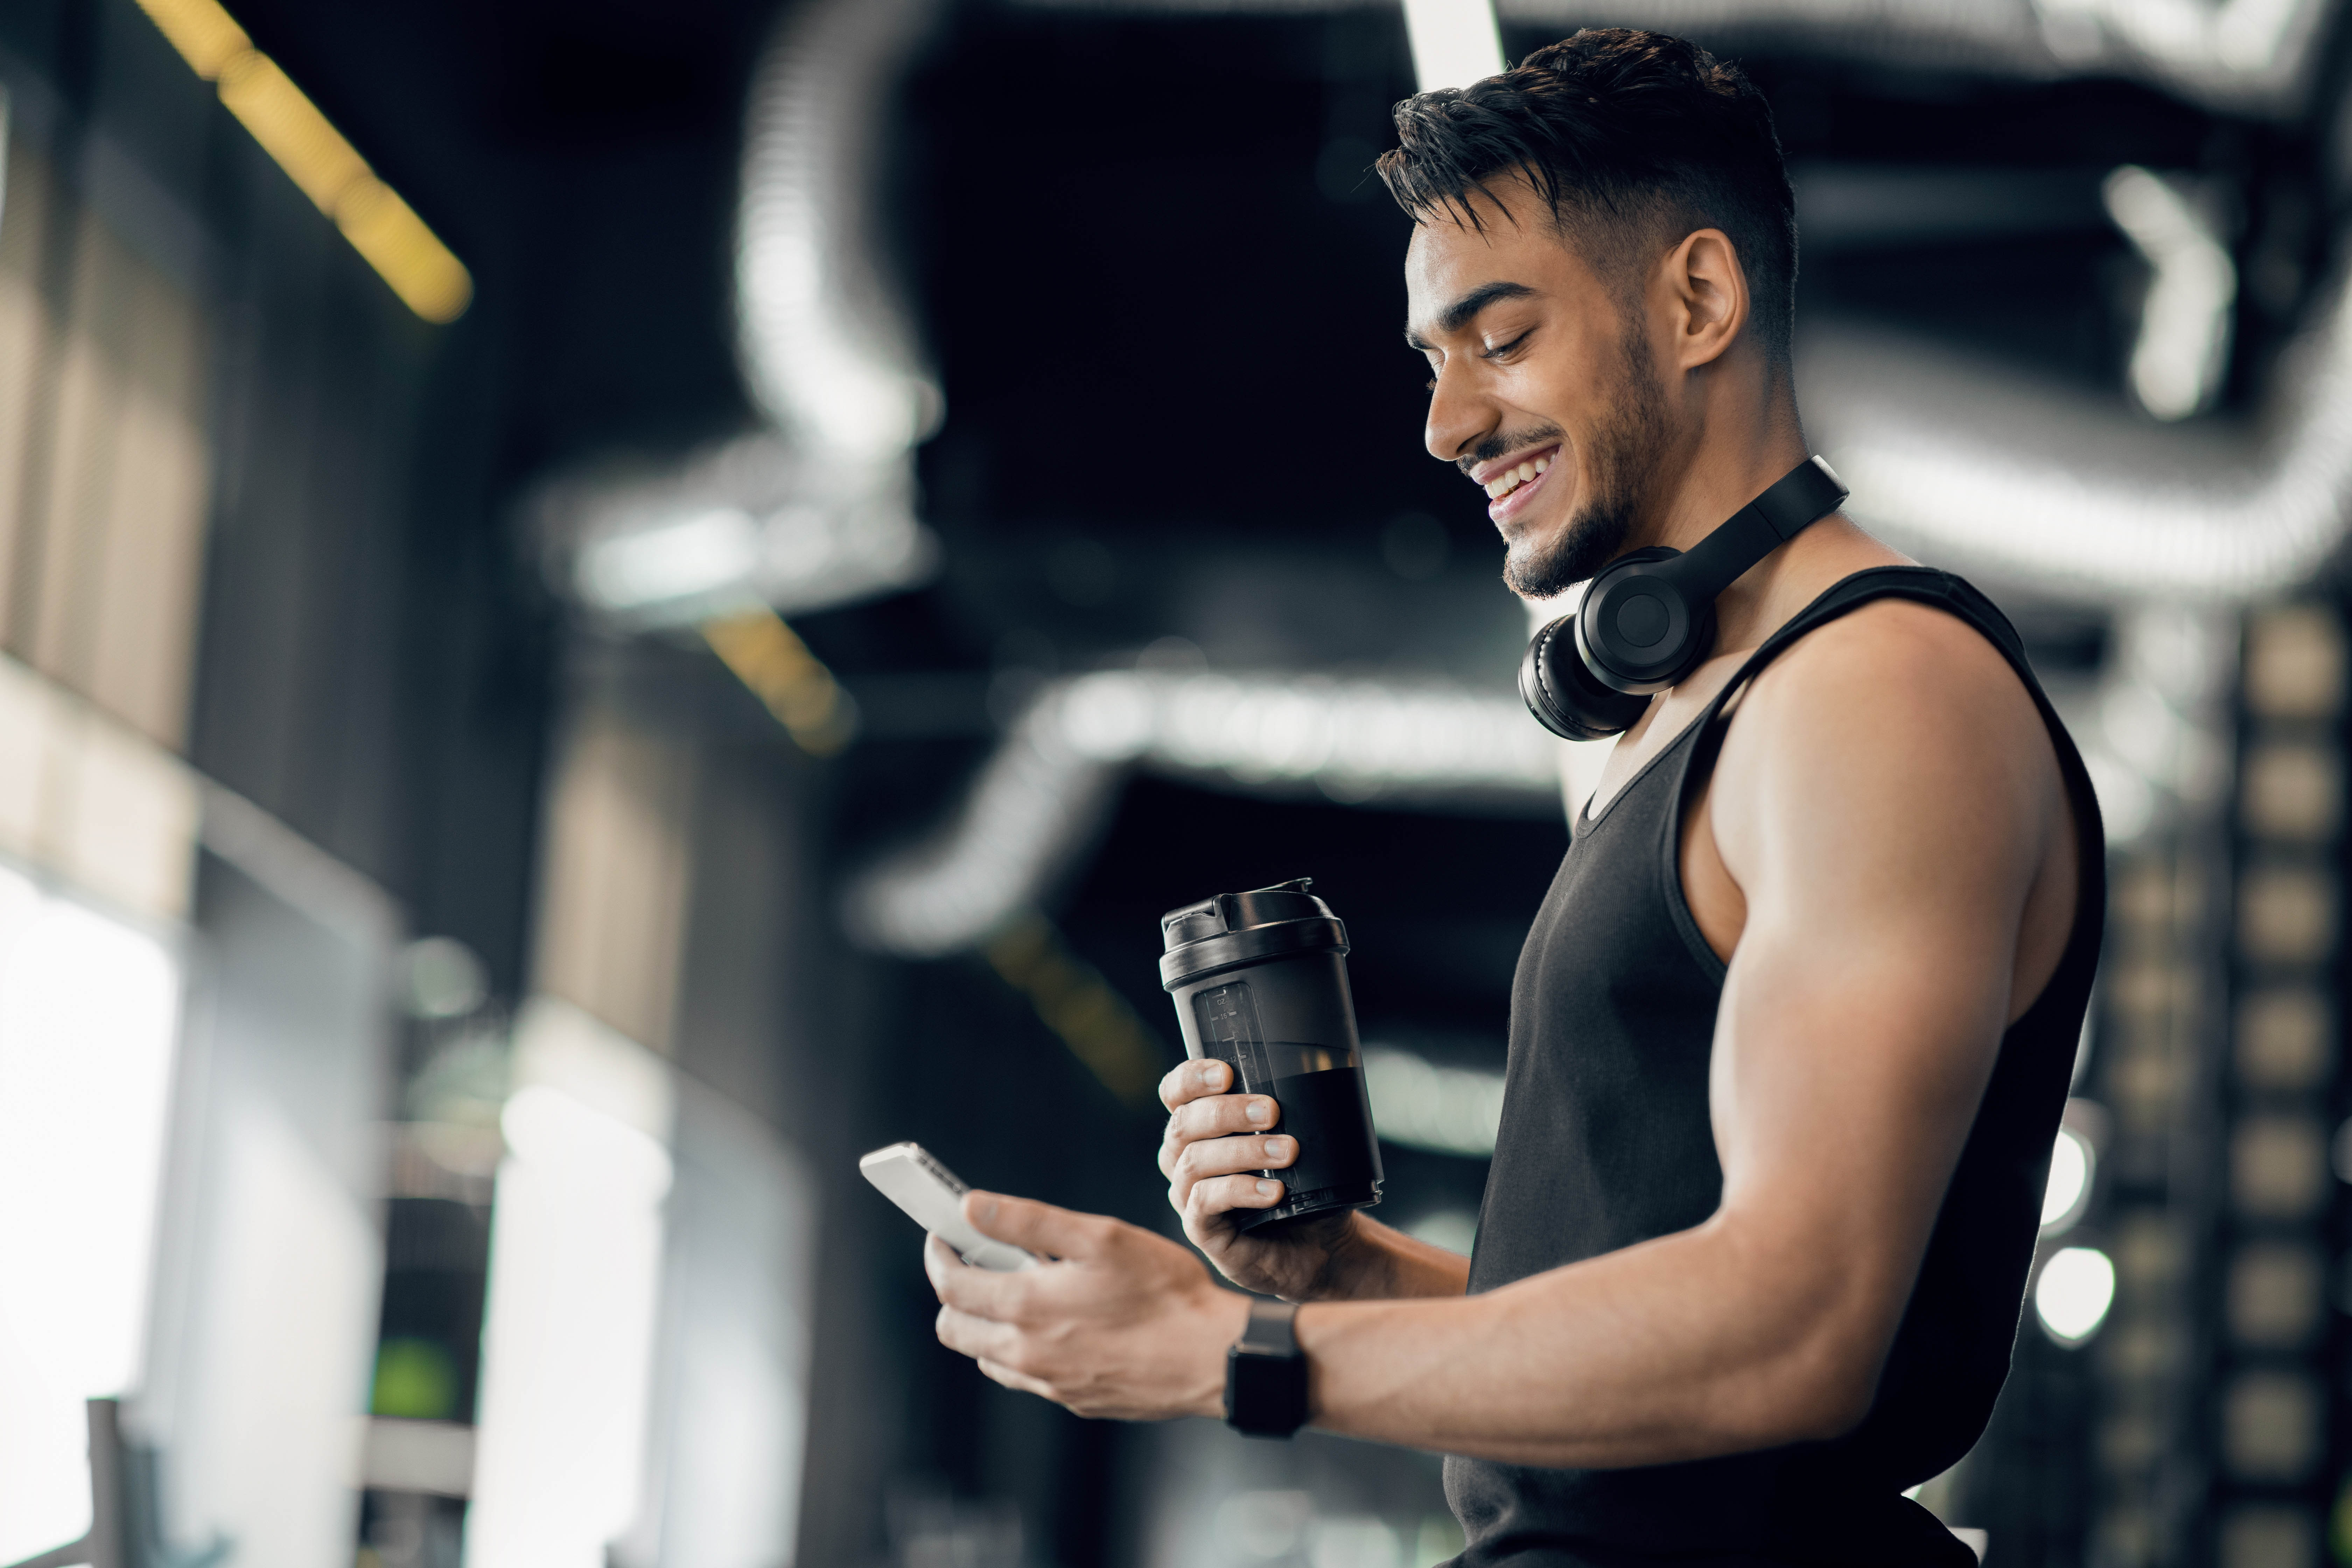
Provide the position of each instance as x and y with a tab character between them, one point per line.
1719	477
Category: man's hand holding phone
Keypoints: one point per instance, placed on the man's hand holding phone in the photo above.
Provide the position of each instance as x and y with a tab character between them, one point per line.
1122	1322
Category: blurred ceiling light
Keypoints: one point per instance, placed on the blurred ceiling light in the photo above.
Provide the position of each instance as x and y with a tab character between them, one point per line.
687	559
2076	1287
769	657
2154	729
380	226
1416	1103
2183	349
2243	49
1040	796
1454	42
747	521
1351	738
828	351
2068	1193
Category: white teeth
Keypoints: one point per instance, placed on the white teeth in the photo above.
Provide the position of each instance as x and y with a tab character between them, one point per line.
1509	479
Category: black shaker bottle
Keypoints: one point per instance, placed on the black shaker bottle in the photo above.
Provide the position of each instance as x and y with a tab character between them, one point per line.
1260	980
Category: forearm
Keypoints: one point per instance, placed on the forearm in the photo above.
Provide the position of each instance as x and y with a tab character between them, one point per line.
1374	1262
1672	1351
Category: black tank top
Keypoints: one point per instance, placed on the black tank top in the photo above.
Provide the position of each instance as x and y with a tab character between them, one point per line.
1605	1142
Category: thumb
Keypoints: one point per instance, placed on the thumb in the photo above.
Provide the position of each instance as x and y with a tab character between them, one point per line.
1040	1227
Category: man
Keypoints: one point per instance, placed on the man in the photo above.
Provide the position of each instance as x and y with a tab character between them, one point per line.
1790	1035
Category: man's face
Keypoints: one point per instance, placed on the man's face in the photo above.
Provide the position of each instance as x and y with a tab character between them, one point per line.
1545	391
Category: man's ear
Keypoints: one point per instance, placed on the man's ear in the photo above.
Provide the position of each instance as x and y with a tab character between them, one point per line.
1709	289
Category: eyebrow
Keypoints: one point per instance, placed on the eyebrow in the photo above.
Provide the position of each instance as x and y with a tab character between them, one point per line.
1465	311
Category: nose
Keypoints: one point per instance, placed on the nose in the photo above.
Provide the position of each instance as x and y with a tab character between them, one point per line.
1459	418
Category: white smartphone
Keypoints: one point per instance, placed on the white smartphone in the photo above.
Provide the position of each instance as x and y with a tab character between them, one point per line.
910	1176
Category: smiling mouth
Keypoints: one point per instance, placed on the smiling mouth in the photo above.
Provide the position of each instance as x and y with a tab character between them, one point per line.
1525	472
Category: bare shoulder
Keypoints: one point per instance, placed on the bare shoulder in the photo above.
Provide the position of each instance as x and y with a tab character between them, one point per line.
1896	724
1894	662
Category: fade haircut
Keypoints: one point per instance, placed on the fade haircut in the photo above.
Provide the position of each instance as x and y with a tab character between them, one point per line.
1634	140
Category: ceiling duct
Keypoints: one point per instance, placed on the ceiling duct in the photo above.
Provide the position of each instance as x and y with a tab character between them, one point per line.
816	508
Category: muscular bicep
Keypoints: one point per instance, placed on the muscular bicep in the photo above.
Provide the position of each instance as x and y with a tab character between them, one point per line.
1884	802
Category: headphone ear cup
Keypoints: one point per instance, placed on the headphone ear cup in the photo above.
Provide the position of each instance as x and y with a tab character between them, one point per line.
1565	696
1636	630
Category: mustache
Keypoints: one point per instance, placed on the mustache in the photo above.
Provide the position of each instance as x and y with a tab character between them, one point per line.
1493	447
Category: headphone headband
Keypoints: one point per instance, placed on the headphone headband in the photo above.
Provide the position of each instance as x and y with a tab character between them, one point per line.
1791	504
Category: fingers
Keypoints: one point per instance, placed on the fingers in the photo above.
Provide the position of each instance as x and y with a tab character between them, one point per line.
978	1338
1192	1079
983	1292
1215	1116
1040	1227
1225	1193
997	1372
1225	1157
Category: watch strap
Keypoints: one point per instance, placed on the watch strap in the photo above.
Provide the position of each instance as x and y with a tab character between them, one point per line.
1265	1373
1270	1330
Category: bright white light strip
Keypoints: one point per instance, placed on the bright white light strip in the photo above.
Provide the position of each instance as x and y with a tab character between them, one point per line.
1454	42
2063	1200
1352	737
828	353
2073	1295
1045	790
699	554
1451	1111
2184	331
567	1335
88	1025
752	518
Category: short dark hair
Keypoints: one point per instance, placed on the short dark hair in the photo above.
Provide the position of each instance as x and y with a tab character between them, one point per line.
1620	131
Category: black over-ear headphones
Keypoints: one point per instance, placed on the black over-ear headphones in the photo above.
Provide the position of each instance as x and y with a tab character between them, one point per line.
1648	618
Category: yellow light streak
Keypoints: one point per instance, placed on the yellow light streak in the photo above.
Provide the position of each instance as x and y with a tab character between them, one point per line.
207	37
1077	1003
770	657
380	226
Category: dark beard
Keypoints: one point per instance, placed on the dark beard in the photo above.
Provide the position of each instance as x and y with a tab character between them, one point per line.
1623	458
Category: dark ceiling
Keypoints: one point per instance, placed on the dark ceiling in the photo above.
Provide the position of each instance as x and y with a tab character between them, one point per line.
1161	289
1163	297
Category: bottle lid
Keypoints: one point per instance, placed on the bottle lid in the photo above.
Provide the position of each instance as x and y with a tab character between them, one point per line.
1236	929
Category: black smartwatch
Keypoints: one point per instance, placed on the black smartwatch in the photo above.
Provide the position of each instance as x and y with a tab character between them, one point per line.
1265	1374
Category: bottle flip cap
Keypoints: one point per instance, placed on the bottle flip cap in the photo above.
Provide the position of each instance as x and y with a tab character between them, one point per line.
1236	929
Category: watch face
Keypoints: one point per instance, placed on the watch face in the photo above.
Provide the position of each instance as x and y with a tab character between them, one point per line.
1266	1395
